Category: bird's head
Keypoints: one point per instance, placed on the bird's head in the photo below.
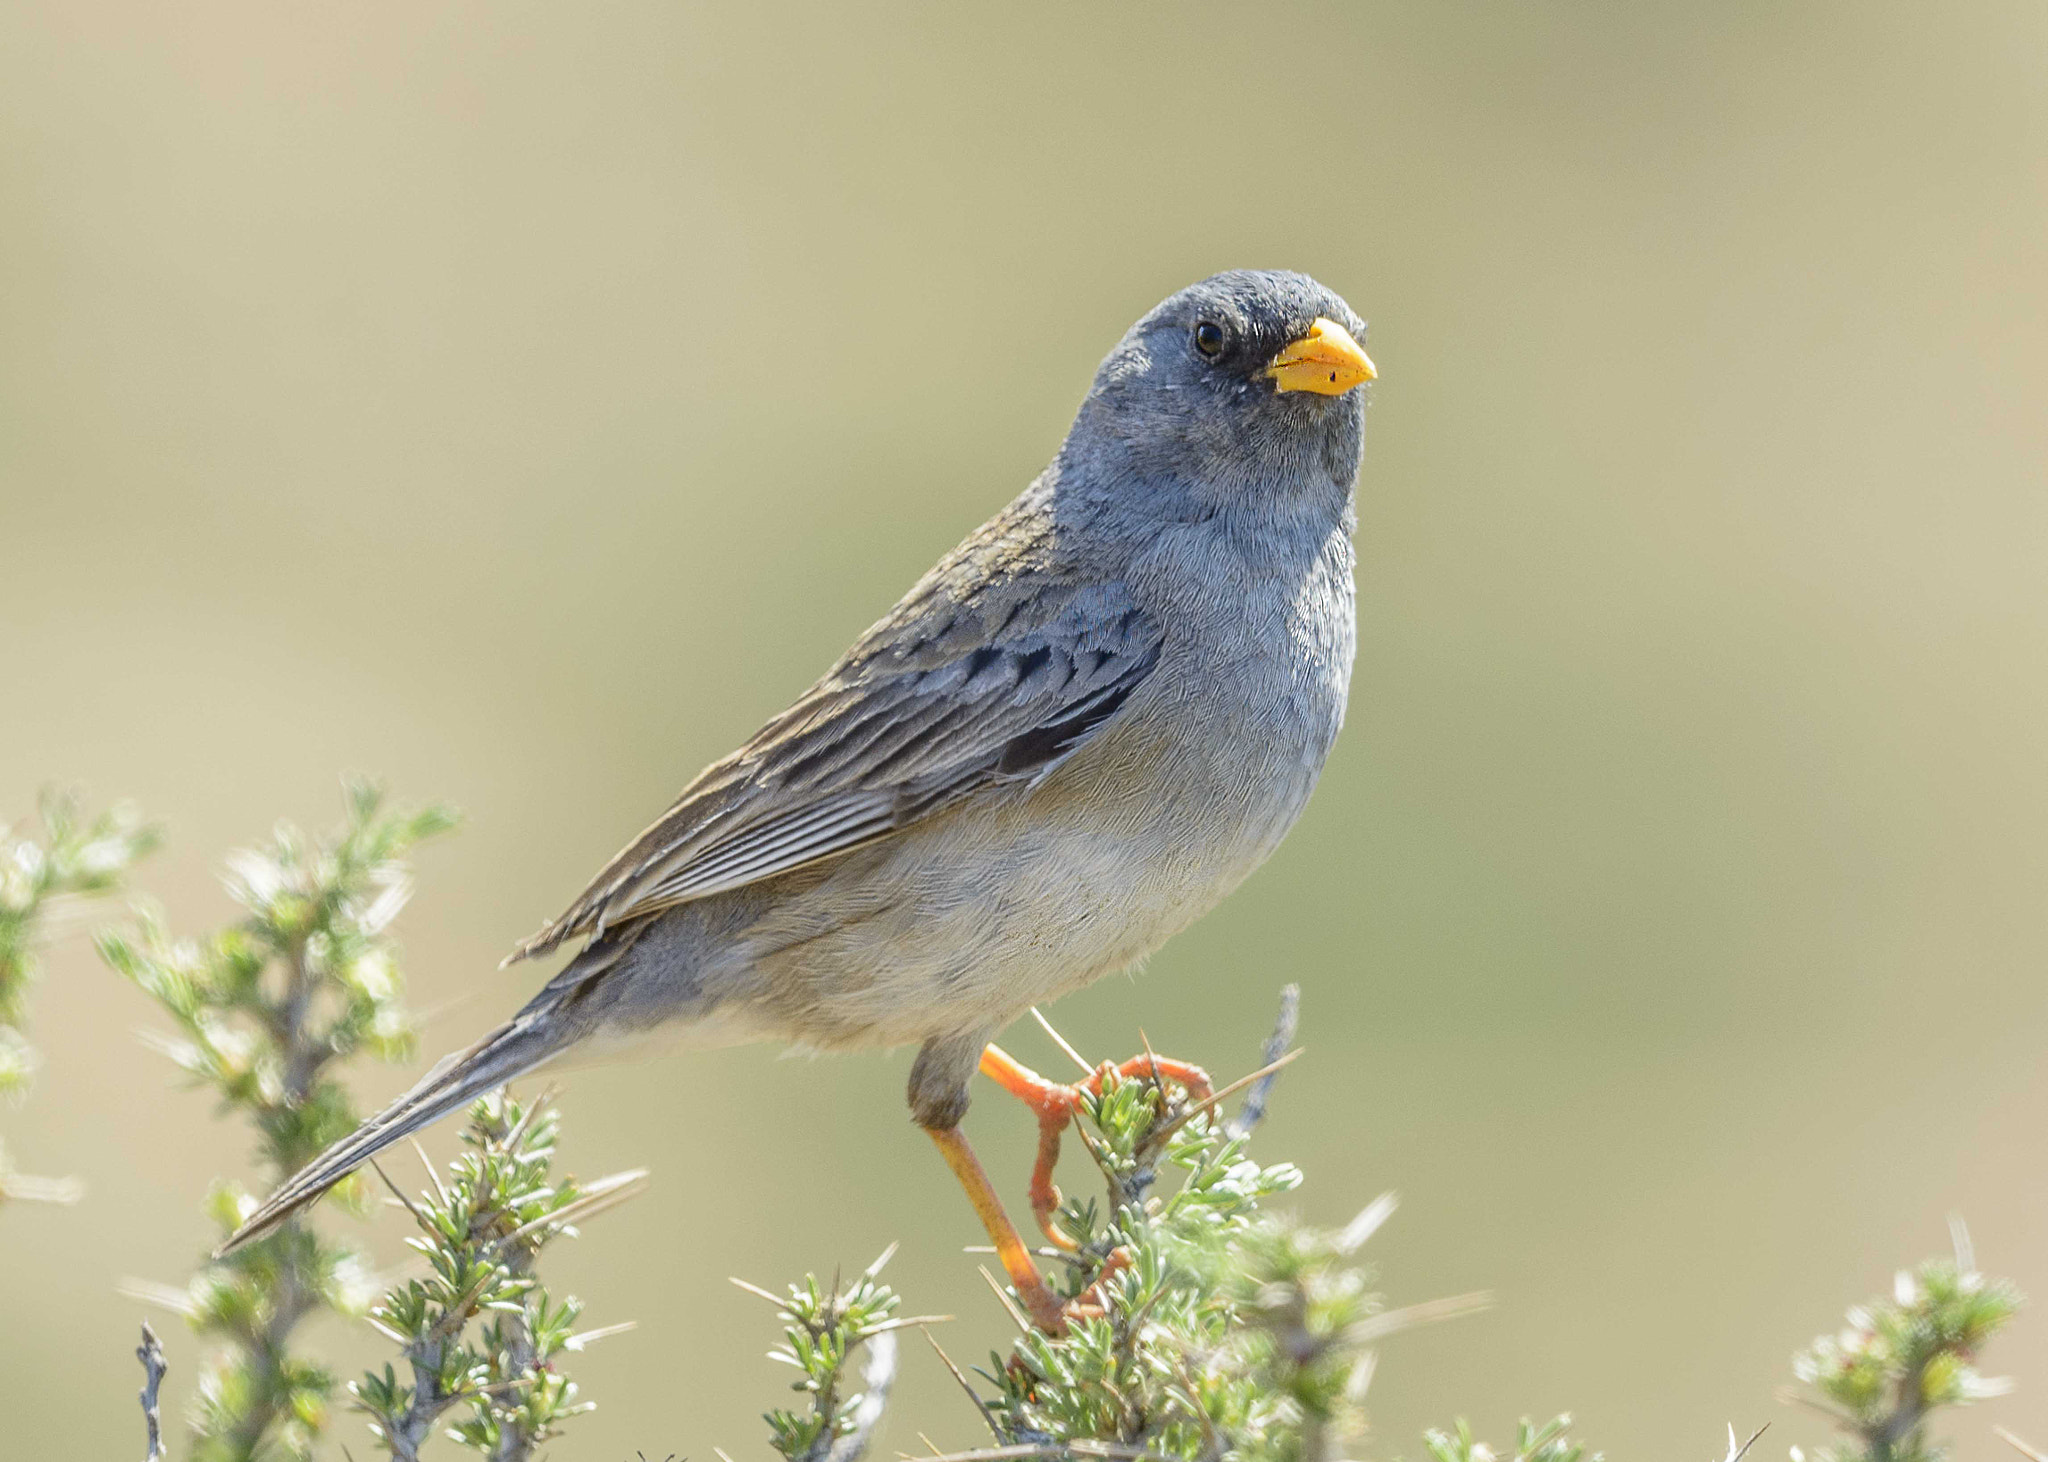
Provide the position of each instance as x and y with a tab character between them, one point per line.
1243	388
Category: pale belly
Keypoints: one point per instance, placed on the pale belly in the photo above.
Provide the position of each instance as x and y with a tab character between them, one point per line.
961	925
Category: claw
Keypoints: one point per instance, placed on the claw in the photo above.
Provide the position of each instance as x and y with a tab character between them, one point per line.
1055	1102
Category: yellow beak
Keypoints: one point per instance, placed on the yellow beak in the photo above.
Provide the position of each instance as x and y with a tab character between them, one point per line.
1326	361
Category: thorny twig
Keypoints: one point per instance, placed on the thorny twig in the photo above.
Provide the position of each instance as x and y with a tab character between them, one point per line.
878	1377
481	1232
979	1405
1254	1109
1905	1356
151	1354
1738	1450
825	1325
2024	1448
1131	1187
1074	1447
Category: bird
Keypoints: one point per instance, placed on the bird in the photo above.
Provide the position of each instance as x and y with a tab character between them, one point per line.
1076	734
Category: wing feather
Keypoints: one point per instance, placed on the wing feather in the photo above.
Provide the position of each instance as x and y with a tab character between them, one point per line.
901	729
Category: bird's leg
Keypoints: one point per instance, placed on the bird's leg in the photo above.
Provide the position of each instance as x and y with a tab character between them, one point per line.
1055	1102
1041	1303
1092	1303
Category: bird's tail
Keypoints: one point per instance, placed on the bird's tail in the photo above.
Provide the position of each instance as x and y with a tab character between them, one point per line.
506	1052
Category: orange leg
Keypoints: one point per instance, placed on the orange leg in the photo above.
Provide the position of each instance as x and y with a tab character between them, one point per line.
1041	1303
1092	1303
1055	1103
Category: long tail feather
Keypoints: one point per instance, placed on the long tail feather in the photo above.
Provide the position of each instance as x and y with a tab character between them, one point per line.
503	1054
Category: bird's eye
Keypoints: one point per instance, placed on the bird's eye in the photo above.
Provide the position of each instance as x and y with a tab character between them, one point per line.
1209	339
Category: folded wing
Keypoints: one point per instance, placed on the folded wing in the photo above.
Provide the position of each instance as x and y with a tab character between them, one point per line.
903	727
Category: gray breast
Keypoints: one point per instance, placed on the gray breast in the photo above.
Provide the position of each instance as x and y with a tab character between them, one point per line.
1232	732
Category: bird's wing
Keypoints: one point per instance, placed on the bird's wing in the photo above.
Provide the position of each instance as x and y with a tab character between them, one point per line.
914	719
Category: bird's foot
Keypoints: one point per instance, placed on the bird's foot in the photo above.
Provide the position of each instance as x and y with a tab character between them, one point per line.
1055	1102
1091	1303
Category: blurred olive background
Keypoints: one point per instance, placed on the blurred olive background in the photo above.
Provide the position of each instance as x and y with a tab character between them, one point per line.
520	402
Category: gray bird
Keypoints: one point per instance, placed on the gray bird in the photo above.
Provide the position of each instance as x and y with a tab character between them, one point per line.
1086	725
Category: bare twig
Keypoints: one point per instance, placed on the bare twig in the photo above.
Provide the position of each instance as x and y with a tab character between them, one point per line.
584	1339
151	1354
1737	1451
1157	1138
1426	1313
776	1300
597	1197
163	1296
399	1193
1368	1222
1793	1396
433	1177
979	1405
1061	1041
511	1140
1016	1315
1077	1447
1959	1237
878	1376
2032	1453
1284	1029
1213	1443
31	1189
882	1327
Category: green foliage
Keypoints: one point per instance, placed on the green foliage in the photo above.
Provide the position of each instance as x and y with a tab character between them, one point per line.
44	877
823	1329
266	1010
1550	1442
480	1331
1199	1326
1899	1359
